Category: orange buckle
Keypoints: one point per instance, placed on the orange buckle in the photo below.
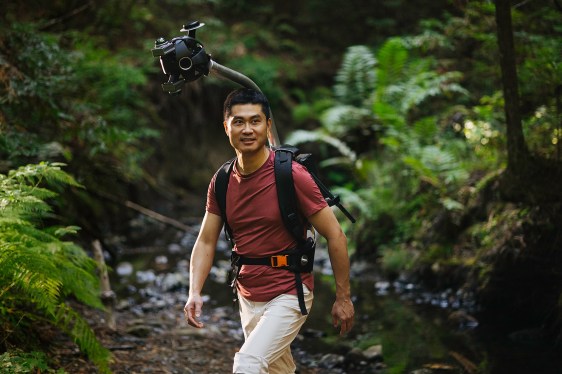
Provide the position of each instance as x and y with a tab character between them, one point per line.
279	261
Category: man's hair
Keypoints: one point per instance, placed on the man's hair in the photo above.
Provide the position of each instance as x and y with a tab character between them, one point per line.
245	96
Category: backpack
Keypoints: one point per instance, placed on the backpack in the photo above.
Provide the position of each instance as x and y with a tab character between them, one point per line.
297	260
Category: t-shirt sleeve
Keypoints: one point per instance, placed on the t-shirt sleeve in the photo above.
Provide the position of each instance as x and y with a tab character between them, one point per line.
212	206
308	194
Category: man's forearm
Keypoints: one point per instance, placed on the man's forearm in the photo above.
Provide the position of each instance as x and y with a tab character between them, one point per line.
199	268
337	249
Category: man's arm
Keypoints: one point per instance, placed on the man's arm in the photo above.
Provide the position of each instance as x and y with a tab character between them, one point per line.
327	225
201	261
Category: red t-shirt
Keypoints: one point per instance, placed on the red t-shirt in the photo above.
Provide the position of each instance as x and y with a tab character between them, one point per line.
253	214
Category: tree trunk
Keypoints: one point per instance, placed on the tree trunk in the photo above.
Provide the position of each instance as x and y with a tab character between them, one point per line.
517	153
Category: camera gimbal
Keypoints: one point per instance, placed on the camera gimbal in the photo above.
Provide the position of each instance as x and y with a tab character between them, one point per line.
184	59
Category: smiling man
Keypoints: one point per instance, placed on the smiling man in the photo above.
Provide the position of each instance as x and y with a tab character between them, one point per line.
270	312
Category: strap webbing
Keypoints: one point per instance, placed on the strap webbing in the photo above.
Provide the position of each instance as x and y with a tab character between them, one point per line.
221	186
242	260
286	194
300	293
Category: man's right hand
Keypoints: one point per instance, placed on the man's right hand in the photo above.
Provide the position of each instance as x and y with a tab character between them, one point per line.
192	311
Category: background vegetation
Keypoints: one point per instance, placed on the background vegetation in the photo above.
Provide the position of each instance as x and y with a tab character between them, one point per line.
405	109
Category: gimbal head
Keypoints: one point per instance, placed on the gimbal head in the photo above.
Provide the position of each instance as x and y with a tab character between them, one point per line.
183	58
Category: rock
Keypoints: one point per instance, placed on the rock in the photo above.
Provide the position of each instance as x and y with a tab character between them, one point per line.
161	262
373	353
142	331
312	333
330	361
355	357
147	276
174	281
174	248
382	287
124	269
462	320
421	371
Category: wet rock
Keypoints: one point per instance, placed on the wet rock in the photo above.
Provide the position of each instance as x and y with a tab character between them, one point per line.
123	304
141	331
355	357
422	371
312	333
124	269
331	361
373	353
174	282
146	276
219	274
183	266
188	240
209	330
174	248
161	262
382	287
462	320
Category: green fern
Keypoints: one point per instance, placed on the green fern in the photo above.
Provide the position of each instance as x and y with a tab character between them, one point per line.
392	58
355	80
37	269
303	136
391	97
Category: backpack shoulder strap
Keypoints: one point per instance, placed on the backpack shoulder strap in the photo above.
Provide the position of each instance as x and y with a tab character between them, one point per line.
286	196
221	186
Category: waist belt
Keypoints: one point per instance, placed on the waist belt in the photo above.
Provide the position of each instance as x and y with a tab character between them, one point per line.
297	261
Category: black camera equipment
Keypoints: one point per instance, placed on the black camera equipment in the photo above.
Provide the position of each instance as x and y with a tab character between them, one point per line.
184	59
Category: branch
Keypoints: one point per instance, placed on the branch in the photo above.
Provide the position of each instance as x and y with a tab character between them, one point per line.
68	15
157	216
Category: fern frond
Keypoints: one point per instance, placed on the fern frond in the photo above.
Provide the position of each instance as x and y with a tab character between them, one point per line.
429	84
392	58
33	275
37	269
389	115
355	80
79	275
69	321
340	119
51	173
303	136
426	129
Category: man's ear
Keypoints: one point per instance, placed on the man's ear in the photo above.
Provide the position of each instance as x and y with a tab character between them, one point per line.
225	124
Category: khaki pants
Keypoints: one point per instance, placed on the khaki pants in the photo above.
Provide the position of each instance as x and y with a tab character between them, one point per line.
269	329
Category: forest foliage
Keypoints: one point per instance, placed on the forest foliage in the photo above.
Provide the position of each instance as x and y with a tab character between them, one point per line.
405	109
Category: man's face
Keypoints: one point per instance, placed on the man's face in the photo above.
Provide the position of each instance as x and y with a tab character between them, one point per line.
247	127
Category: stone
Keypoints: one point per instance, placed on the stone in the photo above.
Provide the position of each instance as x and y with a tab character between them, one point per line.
373	353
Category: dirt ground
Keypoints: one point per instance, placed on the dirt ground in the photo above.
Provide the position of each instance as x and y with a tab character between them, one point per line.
159	342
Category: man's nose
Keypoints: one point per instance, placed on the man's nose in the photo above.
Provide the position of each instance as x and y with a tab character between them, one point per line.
247	127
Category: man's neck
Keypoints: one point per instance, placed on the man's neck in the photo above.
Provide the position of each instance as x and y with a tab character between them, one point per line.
248	163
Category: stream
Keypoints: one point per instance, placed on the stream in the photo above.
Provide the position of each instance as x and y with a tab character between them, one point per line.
399	327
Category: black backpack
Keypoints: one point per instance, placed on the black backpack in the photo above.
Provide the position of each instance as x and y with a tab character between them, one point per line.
300	259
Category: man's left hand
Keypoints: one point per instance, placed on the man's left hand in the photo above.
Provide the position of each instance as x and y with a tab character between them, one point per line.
342	314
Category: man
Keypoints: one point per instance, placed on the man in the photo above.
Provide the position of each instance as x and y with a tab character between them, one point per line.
269	307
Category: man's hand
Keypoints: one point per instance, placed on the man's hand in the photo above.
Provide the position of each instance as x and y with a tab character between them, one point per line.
192	311
342	314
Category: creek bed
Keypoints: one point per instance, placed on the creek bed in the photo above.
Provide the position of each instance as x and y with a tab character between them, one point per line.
411	331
